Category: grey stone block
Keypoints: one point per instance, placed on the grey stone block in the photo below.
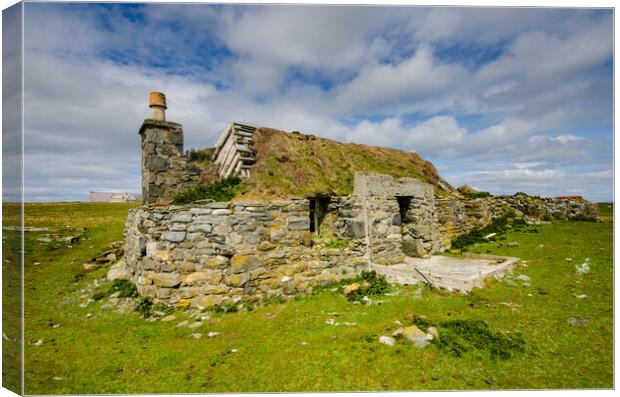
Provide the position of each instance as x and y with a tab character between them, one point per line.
219	205
156	163
175	237
182	217
299	223
356	229
252	238
202	227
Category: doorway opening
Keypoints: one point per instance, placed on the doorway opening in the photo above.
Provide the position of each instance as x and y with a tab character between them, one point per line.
404	202
318	211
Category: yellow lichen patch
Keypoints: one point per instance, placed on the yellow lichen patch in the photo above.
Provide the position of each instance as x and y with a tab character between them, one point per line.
243	263
183	304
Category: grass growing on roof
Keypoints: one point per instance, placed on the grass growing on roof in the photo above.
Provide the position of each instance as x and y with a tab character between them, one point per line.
201	155
221	190
299	165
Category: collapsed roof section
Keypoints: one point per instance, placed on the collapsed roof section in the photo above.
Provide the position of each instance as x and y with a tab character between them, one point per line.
233	152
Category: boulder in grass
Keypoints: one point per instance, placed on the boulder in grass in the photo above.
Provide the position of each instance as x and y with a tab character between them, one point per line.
414	335
387	340
117	271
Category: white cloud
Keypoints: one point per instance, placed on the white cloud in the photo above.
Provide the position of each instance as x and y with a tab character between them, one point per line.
380	87
533	103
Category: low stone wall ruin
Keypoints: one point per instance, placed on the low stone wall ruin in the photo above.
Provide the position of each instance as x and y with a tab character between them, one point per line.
220	253
200	255
457	216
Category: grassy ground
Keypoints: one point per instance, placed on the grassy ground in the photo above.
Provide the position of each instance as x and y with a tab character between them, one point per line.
11	298
290	347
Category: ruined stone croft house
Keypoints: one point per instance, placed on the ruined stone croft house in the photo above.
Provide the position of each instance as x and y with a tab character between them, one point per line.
311	211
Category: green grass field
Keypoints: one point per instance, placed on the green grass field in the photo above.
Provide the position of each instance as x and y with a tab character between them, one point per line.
290	347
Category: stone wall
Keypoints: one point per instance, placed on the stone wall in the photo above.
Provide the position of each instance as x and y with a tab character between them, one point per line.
165	169
554	207
200	255
399	214
457	216
220	253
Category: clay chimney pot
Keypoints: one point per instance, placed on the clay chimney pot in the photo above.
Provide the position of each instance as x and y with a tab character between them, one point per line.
157	99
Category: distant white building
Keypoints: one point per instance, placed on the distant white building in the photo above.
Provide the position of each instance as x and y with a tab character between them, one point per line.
114	197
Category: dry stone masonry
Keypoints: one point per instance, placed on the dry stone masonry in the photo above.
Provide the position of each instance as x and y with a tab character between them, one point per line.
218	253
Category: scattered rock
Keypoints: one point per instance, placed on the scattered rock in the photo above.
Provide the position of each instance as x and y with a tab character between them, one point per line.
182	324
582	296
89	315
38	343
125	306
171	317
423	379
70	239
523	277
117	271
194	325
513	244
233	351
57	378
577	321
416	336
304	343
350	288
568	259
90	266
386	340
331	321
335	314
583	268
213	334
197	336
432	331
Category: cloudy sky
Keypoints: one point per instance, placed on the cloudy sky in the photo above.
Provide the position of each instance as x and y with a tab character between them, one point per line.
502	99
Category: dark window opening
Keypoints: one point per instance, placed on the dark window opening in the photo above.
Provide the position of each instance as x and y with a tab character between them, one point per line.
318	211
404	203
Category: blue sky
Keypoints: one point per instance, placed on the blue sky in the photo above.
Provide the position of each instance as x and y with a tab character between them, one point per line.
503	99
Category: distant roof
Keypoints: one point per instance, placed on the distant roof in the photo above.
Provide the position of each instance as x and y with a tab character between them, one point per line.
107	197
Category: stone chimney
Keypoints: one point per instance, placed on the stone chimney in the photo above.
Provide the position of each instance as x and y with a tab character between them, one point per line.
157	103
163	163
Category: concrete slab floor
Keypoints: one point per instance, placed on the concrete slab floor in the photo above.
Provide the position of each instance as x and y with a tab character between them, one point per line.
448	272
